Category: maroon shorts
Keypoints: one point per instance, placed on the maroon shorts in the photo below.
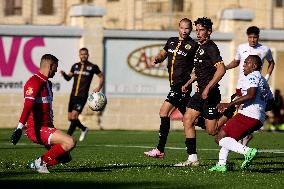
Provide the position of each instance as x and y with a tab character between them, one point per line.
41	136
240	125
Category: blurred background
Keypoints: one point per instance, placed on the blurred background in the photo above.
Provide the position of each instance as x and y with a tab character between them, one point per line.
122	37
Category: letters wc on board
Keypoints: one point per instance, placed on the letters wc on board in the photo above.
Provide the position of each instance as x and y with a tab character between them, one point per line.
140	59
19	59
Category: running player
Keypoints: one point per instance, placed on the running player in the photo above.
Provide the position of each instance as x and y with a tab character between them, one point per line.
180	53
209	70
83	73
37	114
255	95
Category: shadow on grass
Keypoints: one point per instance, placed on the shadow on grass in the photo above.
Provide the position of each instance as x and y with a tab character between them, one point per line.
53	180
267	169
108	168
69	184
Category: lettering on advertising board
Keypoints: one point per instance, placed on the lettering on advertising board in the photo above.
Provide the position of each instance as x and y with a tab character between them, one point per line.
139	60
16	62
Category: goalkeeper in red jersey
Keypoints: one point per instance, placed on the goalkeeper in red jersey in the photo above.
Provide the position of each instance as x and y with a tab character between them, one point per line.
37	115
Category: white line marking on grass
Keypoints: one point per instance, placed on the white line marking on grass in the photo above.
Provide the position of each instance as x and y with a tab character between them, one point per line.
276	151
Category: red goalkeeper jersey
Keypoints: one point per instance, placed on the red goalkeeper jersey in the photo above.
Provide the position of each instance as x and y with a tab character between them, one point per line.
37	111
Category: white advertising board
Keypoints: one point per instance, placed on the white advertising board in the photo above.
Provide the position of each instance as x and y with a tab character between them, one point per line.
20	58
128	70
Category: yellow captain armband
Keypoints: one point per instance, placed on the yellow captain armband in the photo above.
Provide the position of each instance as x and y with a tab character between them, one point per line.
218	63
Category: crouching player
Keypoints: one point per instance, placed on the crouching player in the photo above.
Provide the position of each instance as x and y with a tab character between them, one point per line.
255	95
37	114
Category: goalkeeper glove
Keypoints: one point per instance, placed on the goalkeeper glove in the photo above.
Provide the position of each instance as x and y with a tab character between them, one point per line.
17	134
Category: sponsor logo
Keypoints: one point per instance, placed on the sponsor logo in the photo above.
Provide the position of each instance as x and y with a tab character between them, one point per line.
29	91
140	61
201	52
187	46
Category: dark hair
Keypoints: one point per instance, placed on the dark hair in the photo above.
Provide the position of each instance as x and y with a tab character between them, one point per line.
84	49
253	30
187	21
205	22
257	60
49	57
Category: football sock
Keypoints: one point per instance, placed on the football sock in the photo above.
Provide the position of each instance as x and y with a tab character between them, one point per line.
233	145
55	152
190	144
72	128
223	156
163	133
65	158
80	125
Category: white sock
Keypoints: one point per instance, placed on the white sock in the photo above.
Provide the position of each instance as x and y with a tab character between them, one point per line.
233	145
223	156
192	157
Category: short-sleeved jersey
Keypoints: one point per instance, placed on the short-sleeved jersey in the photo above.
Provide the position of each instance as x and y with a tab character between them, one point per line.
244	50
180	53
255	108
39	89
83	75
206	58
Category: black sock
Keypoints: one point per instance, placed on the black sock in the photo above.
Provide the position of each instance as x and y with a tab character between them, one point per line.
80	125
190	144
72	128
163	133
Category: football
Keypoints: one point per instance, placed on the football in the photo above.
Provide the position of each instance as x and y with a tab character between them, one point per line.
97	101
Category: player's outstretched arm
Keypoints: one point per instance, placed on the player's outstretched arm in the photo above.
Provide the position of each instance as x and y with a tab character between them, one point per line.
159	58
67	77
233	64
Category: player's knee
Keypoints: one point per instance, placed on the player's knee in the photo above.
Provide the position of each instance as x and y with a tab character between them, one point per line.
69	143
163	113
187	120
217	140
212	131
73	118
221	134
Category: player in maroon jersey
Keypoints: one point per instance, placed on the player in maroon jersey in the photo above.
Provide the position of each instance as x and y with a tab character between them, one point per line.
37	115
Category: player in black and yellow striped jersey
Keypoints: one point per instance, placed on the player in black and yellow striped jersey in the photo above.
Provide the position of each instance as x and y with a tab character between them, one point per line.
83	73
180	53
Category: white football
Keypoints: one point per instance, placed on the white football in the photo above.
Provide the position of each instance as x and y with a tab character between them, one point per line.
97	101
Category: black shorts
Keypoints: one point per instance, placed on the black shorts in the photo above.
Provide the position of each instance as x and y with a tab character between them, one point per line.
77	103
178	98
207	107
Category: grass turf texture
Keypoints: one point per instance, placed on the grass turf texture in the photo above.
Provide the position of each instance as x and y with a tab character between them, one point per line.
114	159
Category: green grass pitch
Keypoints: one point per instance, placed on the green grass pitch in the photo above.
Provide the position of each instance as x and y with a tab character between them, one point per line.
114	159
